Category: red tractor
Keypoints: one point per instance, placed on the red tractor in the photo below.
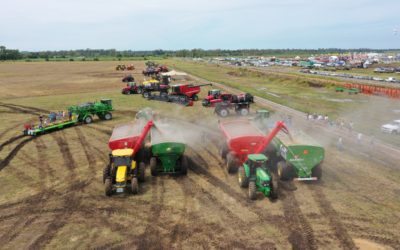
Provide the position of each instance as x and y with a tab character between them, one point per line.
188	90
152	71
242	138
216	96
132	88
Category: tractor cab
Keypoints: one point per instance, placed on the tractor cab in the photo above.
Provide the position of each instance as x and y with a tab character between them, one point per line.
254	162
176	88
215	93
122	167
107	102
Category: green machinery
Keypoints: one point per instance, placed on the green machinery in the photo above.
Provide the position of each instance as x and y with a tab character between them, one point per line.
351	91
167	152
76	114
257	176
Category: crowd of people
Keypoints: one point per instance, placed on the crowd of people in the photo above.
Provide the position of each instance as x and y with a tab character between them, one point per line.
53	118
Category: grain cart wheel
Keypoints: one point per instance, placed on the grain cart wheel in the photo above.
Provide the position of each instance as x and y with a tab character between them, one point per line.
184	165
88	119
274	186
243	180
223	112
134	185
153	166
243	111
317	171
106	173
284	171
107	116
231	163
223	150
252	190
146	94
141	172
195	98
108	187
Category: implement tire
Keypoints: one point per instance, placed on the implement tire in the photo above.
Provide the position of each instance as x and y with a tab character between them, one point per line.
285	172
153	166
106	173
134	185
242	178
108	187
231	163
107	116
184	165
142	172
88	119
252	190
223	150
146	94
274	186
317	172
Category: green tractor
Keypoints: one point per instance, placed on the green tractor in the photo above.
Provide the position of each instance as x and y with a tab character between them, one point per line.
167	151
86	111
257	177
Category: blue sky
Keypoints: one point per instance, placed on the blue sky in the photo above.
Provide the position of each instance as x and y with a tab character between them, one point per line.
209	24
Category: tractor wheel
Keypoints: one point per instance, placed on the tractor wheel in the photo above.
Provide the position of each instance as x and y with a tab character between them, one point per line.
164	95
252	190
108	116
106	173
146	94
141	172
195	98
223	112
139	91
88	119
244	112
284	171
108	187
274	186
184	165
134	185
243	180
153	166
317	171
231	163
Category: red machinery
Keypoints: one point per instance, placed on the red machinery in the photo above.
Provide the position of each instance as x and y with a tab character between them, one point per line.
243	138
216	96
189	90
129	135
375	90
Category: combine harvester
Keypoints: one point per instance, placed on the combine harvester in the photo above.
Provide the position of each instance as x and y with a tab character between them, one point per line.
127	150
83	113
167	150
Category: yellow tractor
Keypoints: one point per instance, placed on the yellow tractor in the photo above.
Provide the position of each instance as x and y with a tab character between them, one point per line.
121	171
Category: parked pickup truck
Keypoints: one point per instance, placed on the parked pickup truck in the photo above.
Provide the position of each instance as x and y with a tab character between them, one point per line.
392	128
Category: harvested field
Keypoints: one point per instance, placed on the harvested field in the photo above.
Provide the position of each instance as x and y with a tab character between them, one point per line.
52	194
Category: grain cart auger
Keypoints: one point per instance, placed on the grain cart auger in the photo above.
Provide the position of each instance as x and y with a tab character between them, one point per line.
126	143
167	151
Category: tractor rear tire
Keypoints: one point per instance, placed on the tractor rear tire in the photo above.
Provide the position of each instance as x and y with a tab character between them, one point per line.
142	172
317	172
223	151
153	166
134	185
274	187
244	112
108	187
107	116
284	171
243	179
231	163
88	119
184	165
106	173
252	190
223	112
195	97
146	94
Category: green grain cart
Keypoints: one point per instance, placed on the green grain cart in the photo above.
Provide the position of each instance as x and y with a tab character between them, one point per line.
167	152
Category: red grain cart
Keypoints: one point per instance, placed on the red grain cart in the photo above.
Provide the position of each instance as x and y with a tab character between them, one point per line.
189	90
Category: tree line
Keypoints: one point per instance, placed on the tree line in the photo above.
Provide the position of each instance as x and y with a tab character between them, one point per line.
11	54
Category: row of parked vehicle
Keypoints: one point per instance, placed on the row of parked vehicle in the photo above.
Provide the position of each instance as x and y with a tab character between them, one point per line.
345	75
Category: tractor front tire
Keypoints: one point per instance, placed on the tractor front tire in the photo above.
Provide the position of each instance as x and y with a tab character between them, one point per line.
274	187
244	112
153	166
223	112
284	171
107	116
108	187
231	163
88	119
106	173
146	94
243	180
134	185
142	172
317	172
252	190
184	165
195	97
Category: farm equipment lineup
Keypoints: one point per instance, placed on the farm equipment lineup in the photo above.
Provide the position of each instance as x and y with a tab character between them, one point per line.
83	113
125	67
215	96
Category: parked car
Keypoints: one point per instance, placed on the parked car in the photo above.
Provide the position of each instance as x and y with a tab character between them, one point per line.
392	128
390	79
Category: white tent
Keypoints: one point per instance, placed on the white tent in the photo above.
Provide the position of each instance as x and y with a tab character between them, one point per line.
174	73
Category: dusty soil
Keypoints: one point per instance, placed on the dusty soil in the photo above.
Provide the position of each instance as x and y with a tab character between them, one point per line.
52	195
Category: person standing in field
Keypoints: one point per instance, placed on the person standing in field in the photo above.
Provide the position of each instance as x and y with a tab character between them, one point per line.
359	137
339	144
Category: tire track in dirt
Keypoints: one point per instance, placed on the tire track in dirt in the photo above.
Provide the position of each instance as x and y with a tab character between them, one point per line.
11	140
4	163
333	217
301	233
86	148
65	152
6	130
17	109
23	107
43	164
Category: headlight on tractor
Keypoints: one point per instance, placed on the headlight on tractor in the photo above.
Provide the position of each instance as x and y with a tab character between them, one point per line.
265	183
